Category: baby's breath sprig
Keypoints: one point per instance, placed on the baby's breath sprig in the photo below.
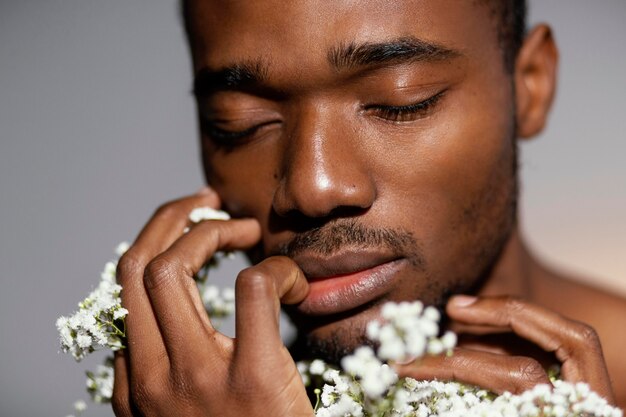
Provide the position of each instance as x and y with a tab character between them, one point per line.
100	382
368	386
99	321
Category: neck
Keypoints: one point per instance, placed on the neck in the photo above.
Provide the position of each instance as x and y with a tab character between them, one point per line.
514	272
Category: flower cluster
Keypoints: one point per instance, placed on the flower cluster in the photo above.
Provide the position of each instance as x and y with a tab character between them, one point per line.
79	407
99	321
100	382
219	303
368	386
409	331
451	399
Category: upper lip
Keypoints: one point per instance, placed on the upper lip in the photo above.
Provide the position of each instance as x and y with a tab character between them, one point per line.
349	261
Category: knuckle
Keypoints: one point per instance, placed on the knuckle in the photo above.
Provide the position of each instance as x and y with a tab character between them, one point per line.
244	387
120	405
457	361
529	372
168	210
161	271
454	364
192	383
147	392
252	280
130	264
514	304
586	335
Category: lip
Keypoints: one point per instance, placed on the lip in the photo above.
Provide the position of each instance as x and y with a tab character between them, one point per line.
344	281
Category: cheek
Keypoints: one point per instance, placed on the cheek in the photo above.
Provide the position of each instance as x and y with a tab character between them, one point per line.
469	154
245	181
463	154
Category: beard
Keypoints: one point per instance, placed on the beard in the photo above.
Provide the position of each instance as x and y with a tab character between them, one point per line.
489	220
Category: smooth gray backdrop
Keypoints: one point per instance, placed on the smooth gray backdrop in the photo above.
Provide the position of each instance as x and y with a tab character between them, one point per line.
97	128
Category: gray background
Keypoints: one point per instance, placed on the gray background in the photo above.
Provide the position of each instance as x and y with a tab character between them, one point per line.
97	128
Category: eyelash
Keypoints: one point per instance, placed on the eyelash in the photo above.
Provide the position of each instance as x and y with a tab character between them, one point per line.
391	113
405	113
227	137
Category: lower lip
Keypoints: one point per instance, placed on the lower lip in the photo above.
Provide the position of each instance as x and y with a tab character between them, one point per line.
338	294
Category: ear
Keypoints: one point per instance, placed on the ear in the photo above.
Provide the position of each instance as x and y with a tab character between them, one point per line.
535	80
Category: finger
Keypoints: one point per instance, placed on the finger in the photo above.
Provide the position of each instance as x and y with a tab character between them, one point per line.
259	292
121	393
173	294
144	340
506	344
497	373
574	344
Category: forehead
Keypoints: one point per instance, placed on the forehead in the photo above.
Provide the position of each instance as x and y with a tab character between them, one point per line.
297	36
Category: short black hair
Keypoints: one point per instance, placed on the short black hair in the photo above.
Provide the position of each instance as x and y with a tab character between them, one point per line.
509	17
510	21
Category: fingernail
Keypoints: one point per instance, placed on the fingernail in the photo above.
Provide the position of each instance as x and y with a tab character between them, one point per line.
204	191
462	300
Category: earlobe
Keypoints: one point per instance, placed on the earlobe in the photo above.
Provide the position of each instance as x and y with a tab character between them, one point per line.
535	80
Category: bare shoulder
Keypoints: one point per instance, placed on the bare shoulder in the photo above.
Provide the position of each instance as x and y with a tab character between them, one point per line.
601	309
578	299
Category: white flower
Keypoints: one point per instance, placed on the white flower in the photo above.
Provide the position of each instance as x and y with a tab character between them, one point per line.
329	395
317	367
83	340
121	248
344	406
449	340
372	330
207	213
304	374
218	303
120	313
331	375
432	314
435	347
228	294
100	383
98	322
407	331
80	406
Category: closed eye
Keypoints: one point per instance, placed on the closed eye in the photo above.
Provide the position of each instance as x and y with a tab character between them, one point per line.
406	113
226	136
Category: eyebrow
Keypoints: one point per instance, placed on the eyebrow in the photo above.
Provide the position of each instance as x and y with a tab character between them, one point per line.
406	49
235	77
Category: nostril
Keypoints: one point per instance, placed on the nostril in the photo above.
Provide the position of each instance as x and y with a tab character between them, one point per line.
294	221
347	211
298	222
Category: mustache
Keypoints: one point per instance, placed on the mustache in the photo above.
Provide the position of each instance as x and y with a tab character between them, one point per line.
332	237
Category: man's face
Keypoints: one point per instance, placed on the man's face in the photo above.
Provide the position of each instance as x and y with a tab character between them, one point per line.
373	141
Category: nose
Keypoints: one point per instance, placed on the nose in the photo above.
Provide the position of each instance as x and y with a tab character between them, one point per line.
324	171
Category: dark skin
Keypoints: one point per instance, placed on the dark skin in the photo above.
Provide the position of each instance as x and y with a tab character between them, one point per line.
410	142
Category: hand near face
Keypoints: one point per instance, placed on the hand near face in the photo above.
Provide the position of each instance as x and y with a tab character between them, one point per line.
537	331
176	362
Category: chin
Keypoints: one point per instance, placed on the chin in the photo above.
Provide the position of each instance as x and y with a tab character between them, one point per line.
332	337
